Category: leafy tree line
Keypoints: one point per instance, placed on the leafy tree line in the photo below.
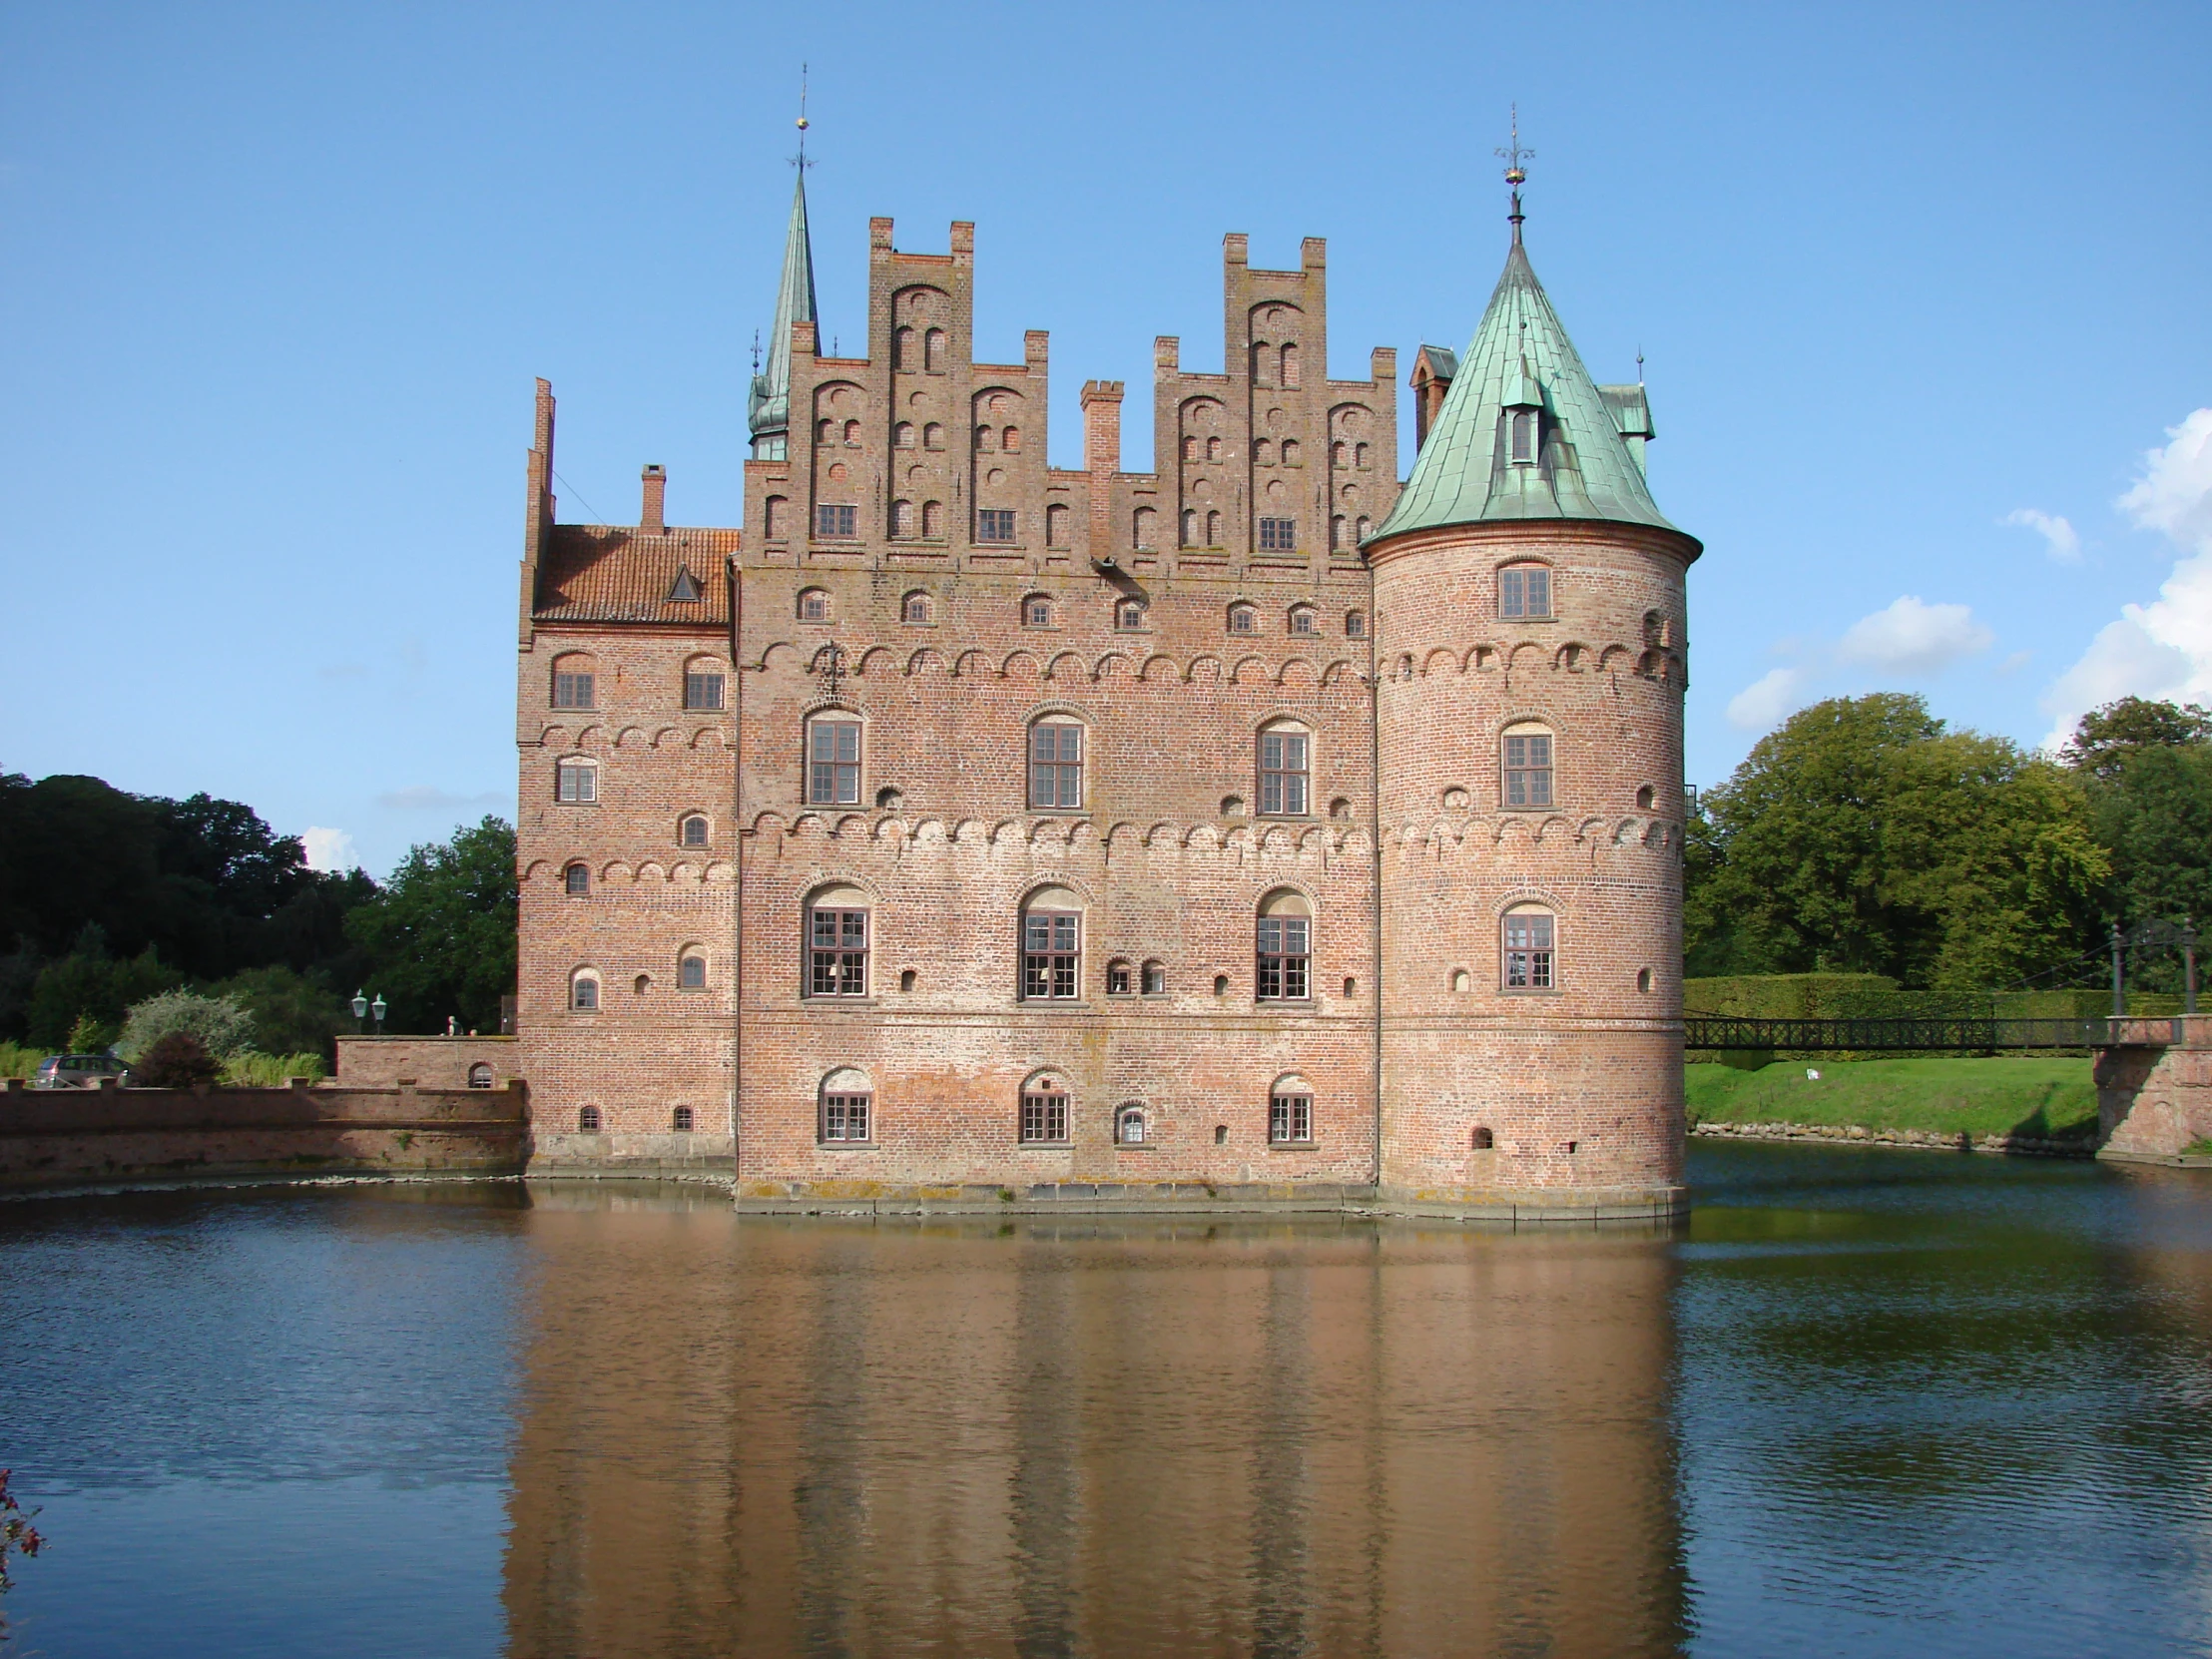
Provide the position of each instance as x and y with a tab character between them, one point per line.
107	898
1866	836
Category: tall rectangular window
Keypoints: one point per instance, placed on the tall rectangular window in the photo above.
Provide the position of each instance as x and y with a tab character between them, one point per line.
576	782
834	763
1277	534
1527	952
1529	770
1055	766
1286	958
1524	436
572	691
1290	1119
1051	958
836	952
845	1117
1524	591
1044	1117
994	524
702	690
1282	775
836	523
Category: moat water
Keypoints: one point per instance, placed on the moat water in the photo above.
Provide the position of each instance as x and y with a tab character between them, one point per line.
1868	1402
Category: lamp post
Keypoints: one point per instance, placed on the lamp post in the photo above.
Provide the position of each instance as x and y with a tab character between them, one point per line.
2188	965
377	1008
360	1011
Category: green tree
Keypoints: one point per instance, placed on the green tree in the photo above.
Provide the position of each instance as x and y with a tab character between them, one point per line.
88	983
440	937
1864	837
2145	770
293	1013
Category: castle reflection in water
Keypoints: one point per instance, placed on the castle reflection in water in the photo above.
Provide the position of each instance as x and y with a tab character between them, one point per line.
751	1435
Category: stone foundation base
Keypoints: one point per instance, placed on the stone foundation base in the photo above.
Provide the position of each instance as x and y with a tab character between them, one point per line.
693	1157
1516	1208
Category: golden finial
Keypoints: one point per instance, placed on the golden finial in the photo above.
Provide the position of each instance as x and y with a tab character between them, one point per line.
799	161
1516	173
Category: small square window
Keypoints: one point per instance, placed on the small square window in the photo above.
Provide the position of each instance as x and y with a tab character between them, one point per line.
1044	1118
1129	615
836	523
1277	534
681	1120
577	880
1302	622
1118	980
994	524
1037	613
576	782
1355	625
572	691
702	690
1524	591
694	832
1244	620
813	606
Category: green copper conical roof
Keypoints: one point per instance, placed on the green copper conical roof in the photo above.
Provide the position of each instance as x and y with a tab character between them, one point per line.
1582	466
768	413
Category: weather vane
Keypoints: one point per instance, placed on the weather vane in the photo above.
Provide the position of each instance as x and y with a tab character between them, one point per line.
1516	173
799	161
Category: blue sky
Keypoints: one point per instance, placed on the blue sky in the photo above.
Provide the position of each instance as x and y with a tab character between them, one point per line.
1920	290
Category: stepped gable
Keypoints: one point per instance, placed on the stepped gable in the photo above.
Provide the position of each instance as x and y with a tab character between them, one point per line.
1589	464
619	573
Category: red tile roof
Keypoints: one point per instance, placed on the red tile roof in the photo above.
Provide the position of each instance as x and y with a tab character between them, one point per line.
616	573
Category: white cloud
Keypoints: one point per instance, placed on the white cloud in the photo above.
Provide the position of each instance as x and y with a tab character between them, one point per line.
330	850
2163	649
1912	637
1767	700
429	798
2060	540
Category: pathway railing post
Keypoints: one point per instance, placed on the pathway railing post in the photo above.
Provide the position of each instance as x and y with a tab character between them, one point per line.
2119	984
2188	965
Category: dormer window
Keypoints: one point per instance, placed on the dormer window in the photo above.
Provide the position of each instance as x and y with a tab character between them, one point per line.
1523	436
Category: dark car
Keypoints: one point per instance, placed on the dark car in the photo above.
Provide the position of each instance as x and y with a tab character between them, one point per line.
80	1071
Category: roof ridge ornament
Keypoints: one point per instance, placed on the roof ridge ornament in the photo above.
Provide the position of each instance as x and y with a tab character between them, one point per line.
1516	173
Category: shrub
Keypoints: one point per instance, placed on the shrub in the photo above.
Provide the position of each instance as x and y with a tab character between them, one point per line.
250	1069
222	1026
20	1059
177	1059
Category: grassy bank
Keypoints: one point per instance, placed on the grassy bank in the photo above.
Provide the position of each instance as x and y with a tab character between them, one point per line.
2040	1097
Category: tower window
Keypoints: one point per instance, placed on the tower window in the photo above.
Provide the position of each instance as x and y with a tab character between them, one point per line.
576	782
587	1120
1524	436
1355	625
1283	773
813	606
994	524
1301	621
1290	1119
1528	950
691	971
693	830
1055	764
837	948
1036	612
1243	619
576	880
583	993
1155	979
834	763
702	689
836	523
1527	758
915	608
1277	534
1052	961
1285	948
573	689
1524	591
1129	615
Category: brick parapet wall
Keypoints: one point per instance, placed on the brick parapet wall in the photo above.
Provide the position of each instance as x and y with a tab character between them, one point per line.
50	1137
427	1062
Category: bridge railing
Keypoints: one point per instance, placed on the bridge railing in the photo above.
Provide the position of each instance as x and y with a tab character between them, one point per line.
1712	1032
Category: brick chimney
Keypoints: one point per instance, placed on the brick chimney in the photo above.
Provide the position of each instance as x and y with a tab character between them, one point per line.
654	519
1102	457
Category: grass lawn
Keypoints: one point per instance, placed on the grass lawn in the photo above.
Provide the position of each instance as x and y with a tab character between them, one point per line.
1951	1096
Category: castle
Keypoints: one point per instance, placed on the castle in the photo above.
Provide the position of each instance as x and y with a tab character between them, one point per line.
969	832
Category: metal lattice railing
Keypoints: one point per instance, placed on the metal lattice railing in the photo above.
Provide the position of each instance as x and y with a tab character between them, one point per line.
1955	1036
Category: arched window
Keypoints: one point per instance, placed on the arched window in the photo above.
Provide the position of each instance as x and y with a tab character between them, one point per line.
1190	449
1036	611
576	782
1524	591
903	518
1529	951
480	1075
1359	529
814	605
1339	455
1524	436
1302	620
983	437
853	434
848	1107
1213	529
903	349
915	608
691	969
1144	527
1189	528
932	436
1243	619
1355	625
1155	979
583	991
1055	763
587	1121
1525	762
1213	450
778	511
1263	453
693	830
1121	980
1359	455
1286	770
1057	525
1263	363
826	431
575	680
903	435
838	943
1129	1126
1010	440
576	880
1129	615
1286	947
834	760
1338	528
702	684
1052	946
1290	366
1291	1112
680	1120
1289	451
1044	1110
932	520
934	344
1482	1140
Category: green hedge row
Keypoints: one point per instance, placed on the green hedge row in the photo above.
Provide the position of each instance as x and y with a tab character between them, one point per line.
1876	996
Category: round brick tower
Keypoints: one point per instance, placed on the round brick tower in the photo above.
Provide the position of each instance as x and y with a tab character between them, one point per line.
1529	634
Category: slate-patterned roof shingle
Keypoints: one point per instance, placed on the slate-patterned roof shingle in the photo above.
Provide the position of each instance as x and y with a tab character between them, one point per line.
616	573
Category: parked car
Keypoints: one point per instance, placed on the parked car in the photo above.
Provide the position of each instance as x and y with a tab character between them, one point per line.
80	1071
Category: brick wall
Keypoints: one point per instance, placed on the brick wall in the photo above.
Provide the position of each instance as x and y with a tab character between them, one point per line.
430	1062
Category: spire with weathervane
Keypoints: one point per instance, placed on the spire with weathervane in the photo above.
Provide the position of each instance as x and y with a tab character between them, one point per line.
1524	432
769	409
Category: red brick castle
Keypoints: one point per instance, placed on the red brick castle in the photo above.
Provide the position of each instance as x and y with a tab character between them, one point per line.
969	833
